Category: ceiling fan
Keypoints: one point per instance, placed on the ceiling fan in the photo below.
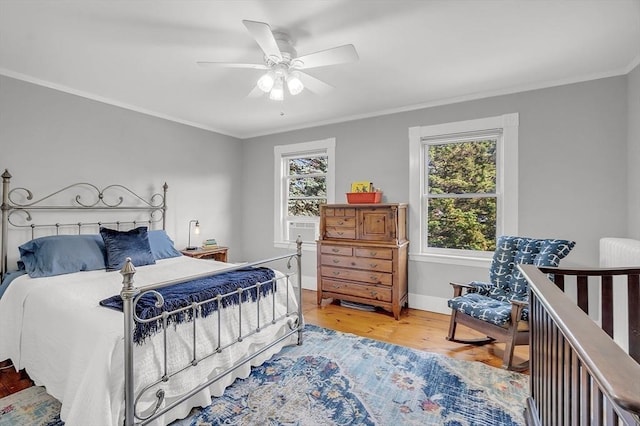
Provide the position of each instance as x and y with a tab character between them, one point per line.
284	66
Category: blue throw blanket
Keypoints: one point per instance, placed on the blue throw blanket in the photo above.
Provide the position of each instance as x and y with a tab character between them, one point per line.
184	294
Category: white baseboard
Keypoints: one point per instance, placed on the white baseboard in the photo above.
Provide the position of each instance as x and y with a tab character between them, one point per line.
429	303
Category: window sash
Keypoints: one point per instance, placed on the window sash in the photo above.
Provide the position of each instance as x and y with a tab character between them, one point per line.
426	195
284	154
505	129
288	178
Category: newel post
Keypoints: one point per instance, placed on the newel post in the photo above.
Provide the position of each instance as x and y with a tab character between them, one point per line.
128	294
299	264
6	178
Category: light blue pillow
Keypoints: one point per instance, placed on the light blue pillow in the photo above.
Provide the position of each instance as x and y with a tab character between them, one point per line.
63	254
161	245
123	244
8	278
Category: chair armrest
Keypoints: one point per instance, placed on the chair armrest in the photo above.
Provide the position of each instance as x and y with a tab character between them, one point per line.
516	310
458	287
467	286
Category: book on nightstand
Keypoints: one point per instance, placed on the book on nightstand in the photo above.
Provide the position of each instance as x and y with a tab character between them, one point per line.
210	243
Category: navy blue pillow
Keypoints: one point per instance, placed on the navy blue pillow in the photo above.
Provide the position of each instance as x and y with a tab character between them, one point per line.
161	245
123	244
62	254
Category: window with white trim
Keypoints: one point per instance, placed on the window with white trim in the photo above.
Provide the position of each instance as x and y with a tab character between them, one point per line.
304	179
463	184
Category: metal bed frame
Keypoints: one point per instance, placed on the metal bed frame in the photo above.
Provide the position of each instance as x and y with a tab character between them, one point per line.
18	207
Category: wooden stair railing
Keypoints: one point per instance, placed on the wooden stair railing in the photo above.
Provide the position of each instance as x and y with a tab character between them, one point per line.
578	374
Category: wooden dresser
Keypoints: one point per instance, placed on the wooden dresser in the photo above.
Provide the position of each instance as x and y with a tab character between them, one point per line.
362	254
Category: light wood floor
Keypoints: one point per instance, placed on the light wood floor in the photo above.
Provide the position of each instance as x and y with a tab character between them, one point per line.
416	329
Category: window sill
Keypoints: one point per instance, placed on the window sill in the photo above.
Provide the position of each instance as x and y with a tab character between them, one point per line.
449	259
291	246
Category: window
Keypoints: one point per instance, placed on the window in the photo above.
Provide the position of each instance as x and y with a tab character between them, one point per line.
463	184
304	179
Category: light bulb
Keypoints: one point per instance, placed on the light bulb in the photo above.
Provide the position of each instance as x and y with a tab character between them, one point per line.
277	93
265	83
196	230
294	83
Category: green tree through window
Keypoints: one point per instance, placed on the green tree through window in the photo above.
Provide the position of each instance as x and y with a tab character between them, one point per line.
461	195
307	185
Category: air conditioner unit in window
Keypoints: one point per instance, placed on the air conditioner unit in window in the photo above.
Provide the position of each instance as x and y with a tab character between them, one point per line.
306	230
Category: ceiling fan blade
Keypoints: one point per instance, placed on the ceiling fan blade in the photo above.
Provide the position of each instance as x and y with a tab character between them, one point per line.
264	37
255	93
334	56
232	65
315	85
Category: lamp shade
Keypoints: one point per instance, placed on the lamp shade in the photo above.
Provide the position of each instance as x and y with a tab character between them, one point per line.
265	83
196	230
294	84
277	93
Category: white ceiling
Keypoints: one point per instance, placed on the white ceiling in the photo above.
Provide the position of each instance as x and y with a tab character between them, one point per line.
142	54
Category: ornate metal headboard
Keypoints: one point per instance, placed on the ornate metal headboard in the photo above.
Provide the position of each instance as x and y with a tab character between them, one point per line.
19	206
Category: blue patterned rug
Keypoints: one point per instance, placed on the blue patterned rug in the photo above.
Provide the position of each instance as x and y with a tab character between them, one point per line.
342	379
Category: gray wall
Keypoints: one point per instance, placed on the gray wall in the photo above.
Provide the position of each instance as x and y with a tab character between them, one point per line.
633	93
574	141
572	170
49	139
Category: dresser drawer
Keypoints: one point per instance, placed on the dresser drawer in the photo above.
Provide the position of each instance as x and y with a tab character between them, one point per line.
341	250
359	290
357	275
378	253
369	264
336	232
339	211
347	222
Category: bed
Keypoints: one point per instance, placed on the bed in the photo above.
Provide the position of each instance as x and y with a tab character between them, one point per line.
147	360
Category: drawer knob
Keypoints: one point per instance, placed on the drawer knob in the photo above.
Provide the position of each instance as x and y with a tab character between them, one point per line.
374	293
336	261
373	265
340	232
336	273
335	250
373	253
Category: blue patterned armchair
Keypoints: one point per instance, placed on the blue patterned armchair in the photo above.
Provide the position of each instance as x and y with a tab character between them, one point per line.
499	309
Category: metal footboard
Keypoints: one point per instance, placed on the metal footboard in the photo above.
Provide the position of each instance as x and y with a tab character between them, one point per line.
82	207
131	294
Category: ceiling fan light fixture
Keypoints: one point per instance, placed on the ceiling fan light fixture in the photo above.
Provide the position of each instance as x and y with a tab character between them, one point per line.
281	63
294	84
266	82
277	92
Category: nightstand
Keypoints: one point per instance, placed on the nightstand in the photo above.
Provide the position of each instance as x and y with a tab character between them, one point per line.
218	253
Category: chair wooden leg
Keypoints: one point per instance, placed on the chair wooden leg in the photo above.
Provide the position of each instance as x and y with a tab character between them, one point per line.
507	358
452	326
452	331
510	344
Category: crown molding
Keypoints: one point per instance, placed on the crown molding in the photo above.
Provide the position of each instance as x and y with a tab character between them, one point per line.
439	102
458	99
62	88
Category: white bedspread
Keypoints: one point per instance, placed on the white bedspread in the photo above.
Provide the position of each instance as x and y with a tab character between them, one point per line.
54	328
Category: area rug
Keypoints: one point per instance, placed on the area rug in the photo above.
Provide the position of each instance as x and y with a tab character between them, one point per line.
342	379
31	406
